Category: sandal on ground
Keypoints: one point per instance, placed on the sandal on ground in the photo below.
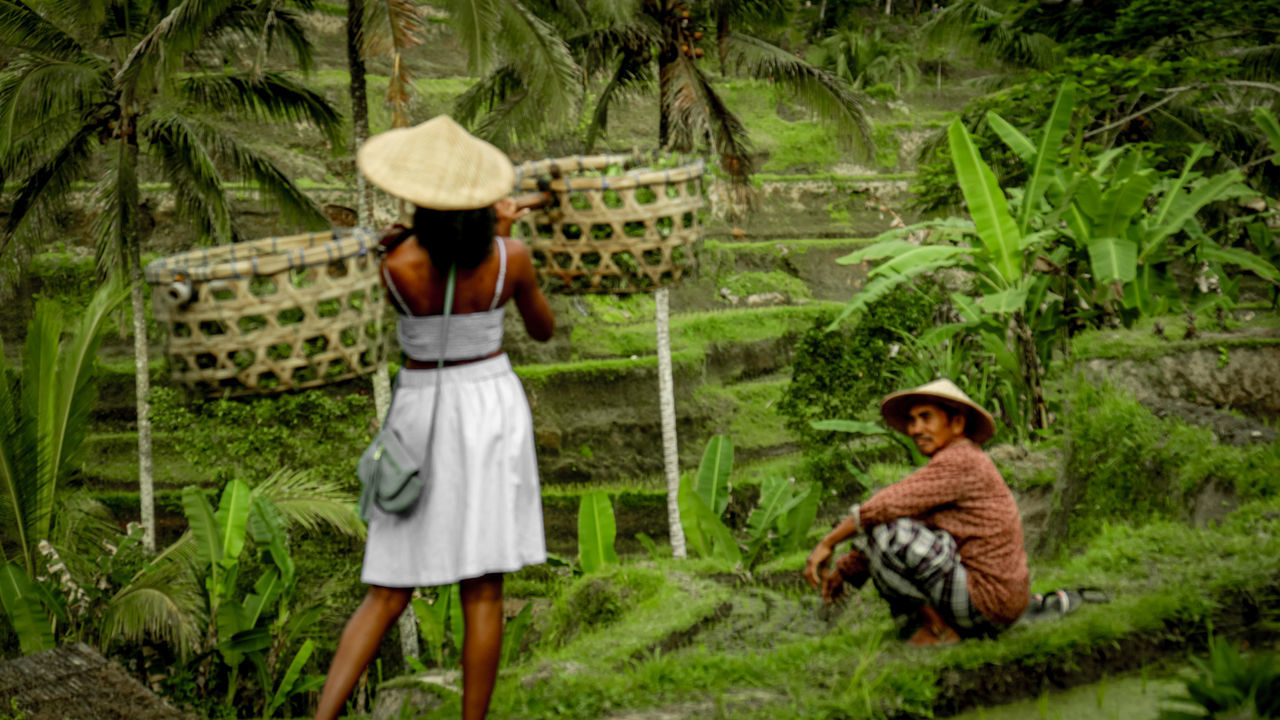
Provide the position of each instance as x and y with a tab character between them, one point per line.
1058	604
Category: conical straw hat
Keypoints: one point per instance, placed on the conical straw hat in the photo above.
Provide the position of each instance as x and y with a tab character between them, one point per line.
437	165
979	425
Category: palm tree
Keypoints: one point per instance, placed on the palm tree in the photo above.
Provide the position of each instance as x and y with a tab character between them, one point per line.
43	416
630	46
112	90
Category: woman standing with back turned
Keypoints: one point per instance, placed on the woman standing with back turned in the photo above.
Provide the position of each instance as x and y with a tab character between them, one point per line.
480	514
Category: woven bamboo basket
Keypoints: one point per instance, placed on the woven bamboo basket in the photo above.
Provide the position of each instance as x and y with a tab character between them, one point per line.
273	314
631	231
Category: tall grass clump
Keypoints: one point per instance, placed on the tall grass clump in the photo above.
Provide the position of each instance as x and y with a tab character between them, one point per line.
1124	463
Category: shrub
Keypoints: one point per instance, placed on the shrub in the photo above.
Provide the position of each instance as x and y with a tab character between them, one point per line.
1124	463
839	373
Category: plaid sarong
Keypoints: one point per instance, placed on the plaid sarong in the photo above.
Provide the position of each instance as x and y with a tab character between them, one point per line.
913	565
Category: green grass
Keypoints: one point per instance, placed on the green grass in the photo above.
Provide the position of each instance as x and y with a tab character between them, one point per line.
1160	578
1142	344
695	332
756	423
772	247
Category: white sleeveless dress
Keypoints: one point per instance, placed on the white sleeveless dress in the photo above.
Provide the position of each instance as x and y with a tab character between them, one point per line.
481	510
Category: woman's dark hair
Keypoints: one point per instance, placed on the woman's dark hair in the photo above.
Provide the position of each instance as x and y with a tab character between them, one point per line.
461	237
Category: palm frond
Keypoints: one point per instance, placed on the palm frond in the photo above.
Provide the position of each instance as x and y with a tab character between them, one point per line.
309	503
597	50
390	28
42	103
159	605
1260	63
487	93
72	389
79	529
178	33
268	96
17	457
117	200
176	142
547	68
44	191
22	28
632	74
254	167
476	24
821	91
698	113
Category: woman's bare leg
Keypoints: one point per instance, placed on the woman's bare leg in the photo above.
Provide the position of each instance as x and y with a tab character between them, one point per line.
482	644
358	644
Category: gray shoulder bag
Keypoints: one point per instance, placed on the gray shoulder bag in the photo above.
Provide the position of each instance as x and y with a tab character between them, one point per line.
388	470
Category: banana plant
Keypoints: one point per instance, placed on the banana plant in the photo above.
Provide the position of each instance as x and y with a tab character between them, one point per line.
783	517
597	530
702	501
257	625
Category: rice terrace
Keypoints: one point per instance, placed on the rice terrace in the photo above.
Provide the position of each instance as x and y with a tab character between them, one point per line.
883	359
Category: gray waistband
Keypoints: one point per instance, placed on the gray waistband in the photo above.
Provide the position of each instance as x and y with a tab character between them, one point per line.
478	370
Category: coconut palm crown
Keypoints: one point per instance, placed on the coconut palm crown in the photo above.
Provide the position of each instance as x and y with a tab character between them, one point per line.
94	85
630	47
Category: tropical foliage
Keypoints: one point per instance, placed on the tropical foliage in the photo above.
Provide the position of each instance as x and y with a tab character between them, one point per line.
93	87
1078	247
631	47
43	416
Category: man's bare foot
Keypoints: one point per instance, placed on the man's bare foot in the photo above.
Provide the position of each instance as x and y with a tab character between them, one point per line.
936	631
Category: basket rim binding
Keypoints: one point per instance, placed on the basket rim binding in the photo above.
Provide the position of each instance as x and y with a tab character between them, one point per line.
527	173
264	256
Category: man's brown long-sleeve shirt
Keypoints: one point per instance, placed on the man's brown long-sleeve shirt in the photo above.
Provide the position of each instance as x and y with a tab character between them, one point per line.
961	491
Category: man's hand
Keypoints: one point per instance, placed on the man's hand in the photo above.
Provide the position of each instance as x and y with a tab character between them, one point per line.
815	567
833	586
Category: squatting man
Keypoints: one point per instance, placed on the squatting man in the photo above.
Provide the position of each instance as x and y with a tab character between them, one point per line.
944	545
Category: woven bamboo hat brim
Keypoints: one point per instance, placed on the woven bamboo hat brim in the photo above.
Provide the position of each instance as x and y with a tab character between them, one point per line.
895	408
437	165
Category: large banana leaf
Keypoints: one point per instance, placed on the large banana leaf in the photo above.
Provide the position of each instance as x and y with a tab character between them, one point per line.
1113	258
265	594
850	426
233	519
1005	301
1046	155
1183	208
691	519
27	616
996	228
798	519
286	687
1243	258
919	256
1266	121
713	473
596	531
266	526
204	529
1123	202
1020	144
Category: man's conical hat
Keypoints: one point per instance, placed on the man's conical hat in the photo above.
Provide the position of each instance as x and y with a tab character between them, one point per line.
979	426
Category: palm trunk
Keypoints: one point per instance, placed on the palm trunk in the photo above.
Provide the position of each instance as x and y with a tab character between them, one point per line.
128	245
359	104
667	405
142	384
408	622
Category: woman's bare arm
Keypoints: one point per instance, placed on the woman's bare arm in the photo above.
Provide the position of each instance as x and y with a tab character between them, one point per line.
539	321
